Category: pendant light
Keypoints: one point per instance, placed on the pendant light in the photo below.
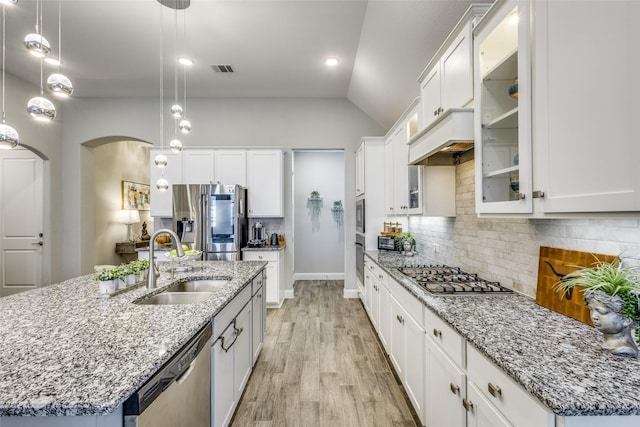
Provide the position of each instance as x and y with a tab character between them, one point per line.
8	136
161	160
39	107
35	43
8	2
58	83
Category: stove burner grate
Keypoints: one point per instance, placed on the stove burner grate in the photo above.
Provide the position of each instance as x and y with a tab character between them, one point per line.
442	279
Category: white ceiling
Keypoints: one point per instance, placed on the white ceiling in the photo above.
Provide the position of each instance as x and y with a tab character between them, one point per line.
111	48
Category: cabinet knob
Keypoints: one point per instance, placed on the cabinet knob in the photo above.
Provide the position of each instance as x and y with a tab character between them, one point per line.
468	405
380	276
455	389
259	256
437	333
494	390
435	113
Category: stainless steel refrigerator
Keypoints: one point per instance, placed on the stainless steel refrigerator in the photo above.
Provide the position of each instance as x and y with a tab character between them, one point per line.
211	218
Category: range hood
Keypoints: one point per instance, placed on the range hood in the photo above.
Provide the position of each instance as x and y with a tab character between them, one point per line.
450	133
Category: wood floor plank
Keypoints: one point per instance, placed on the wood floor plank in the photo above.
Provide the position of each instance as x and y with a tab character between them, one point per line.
322	365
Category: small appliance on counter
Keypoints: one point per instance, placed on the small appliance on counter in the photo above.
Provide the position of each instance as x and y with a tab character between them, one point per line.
258	236
388	243
274	240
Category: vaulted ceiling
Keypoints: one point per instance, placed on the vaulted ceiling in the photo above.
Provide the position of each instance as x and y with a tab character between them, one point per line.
112	48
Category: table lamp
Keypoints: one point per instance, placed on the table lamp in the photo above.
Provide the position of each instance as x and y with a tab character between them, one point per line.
129	216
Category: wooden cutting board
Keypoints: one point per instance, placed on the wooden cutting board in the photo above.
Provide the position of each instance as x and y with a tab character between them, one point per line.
564	261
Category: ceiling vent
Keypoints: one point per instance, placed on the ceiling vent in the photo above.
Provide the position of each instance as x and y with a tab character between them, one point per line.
222	68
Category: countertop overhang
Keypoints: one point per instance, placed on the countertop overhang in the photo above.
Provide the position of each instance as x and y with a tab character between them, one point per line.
65	352
554	357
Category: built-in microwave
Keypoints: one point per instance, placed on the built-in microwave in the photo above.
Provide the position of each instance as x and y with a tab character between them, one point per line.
360	216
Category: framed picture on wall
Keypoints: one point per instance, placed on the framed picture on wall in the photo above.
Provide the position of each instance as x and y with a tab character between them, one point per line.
136	196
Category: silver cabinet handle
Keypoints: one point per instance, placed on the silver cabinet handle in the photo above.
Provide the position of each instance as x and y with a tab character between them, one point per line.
38	244
468	405
400	319
494	390
259	256
437	333
455	389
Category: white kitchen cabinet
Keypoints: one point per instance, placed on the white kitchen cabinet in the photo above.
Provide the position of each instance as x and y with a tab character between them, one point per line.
389	177
480	412
243	355
509	398
203	166
161	201
384	312
447	81
274	272
400	171
502	121
259	316
446	389
265	183
360	170
585	106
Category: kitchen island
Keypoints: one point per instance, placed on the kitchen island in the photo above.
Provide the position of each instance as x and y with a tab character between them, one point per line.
554	358
65	352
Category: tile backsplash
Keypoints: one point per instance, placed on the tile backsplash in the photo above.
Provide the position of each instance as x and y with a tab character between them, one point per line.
507	249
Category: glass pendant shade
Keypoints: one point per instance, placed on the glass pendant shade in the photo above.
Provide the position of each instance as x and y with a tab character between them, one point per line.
161	160
41	108
175	145
184	126
37	45
8	2
176	110
60	85
162	184
8	137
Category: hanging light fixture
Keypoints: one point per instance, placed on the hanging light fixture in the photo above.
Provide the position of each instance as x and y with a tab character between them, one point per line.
58	83
184	125
39	107
36	44
8	136
8	2
175	145
161	160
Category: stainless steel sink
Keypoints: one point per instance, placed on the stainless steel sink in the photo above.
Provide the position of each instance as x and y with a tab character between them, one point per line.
167	298
202	285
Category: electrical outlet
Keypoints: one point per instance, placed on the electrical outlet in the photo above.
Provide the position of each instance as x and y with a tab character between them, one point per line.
436	248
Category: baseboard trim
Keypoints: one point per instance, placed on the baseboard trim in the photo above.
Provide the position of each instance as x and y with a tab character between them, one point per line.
288	294
351	293
318	276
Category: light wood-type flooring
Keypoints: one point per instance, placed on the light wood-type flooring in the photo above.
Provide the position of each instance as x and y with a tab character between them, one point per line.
322	365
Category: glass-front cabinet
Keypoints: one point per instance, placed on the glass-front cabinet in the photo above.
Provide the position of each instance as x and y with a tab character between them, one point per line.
503	100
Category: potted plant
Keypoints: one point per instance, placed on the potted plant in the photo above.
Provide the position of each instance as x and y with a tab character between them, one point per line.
106	279
612	293
407	242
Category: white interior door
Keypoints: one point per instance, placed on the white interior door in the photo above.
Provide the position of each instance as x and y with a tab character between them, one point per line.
21	221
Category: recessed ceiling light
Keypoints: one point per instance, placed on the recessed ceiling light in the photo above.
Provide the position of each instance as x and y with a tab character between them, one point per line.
185	61
331	61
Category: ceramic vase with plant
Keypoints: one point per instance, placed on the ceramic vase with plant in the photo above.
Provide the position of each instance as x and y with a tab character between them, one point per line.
106	280
407	242
612	293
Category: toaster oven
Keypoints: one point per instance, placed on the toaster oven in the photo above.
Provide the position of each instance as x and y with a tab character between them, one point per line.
387	243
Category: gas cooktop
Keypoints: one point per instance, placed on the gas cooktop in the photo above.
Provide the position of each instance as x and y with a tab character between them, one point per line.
442	279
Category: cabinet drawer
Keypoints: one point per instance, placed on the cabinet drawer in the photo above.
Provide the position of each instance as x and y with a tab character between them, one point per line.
444	335
518	405
268	256
409	303
231	310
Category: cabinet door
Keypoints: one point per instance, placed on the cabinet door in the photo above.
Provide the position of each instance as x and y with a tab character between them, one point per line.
389	182
384	318
430	96
198	166
414	380
375	304
587	110
258	324
480	412
242	355
161	201
414	188
222	396
273	291
265	183
446	389
231	167
457	72
502	121
401	171
397	352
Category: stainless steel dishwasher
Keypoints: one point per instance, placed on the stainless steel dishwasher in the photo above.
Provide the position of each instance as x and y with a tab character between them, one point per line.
179	394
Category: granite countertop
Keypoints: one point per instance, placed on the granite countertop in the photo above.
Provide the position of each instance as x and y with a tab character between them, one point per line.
65	352
263	248
554	357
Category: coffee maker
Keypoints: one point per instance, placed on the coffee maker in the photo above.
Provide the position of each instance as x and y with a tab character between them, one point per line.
258	235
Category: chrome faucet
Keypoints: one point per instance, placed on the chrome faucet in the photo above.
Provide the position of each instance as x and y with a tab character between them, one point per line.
153	271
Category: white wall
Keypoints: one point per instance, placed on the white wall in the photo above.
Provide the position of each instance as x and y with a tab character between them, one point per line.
319	237
507	250
113	163
290	123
